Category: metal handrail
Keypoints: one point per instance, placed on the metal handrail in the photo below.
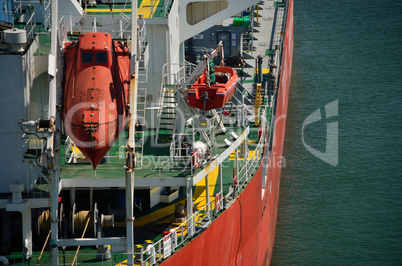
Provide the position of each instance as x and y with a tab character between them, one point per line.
172	78
252	164
182	232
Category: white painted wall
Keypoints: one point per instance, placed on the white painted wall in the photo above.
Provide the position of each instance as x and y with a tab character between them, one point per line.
17	73
12	108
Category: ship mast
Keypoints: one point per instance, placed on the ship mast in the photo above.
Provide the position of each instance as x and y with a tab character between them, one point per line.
130	149
54	141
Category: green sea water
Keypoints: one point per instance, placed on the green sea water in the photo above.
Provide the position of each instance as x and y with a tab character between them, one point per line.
348	53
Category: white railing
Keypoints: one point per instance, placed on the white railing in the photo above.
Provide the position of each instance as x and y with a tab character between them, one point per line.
46	14
191	161
172	74
142	36
70	155
117	25
169	77
62	33
253	162
168	4
161	250
246	41
155	253
30	28
239	108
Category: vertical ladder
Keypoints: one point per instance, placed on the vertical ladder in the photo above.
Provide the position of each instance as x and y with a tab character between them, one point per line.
139	148
143	67
141	105
140	124
167	115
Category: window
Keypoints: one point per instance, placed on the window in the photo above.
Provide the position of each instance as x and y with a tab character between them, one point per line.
87	57
101	57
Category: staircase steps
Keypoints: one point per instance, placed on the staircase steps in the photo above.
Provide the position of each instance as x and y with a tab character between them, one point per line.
167	116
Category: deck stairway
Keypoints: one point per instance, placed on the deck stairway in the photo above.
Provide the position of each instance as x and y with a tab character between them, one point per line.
167	114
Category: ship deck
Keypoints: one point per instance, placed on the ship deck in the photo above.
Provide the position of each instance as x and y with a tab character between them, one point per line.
151	224
154	159
146	8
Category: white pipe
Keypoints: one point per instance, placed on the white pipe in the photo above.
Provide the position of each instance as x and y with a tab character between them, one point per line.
3	260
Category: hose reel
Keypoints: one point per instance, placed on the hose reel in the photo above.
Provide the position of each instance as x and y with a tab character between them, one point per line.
96	223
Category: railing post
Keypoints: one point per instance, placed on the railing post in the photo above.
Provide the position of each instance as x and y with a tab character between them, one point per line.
207	196
245	156
160	249
220	179
174	238
190	225
236	161
182	233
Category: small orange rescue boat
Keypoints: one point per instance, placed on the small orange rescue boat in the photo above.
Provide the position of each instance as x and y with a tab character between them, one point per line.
215	95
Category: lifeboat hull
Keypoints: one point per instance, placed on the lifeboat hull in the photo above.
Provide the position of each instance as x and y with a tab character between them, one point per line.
219	93
95	93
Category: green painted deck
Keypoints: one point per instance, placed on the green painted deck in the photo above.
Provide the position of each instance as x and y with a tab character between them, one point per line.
144	8
153	157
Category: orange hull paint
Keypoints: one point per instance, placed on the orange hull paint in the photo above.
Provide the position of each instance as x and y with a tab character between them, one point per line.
96	91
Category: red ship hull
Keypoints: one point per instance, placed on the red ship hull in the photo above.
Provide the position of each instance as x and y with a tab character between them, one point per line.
242	235
219	93
96	91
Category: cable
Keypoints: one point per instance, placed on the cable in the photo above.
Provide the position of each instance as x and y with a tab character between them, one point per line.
111	11
25	131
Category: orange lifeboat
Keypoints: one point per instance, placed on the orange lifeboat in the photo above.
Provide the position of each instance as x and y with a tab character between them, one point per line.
95	93
216	94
